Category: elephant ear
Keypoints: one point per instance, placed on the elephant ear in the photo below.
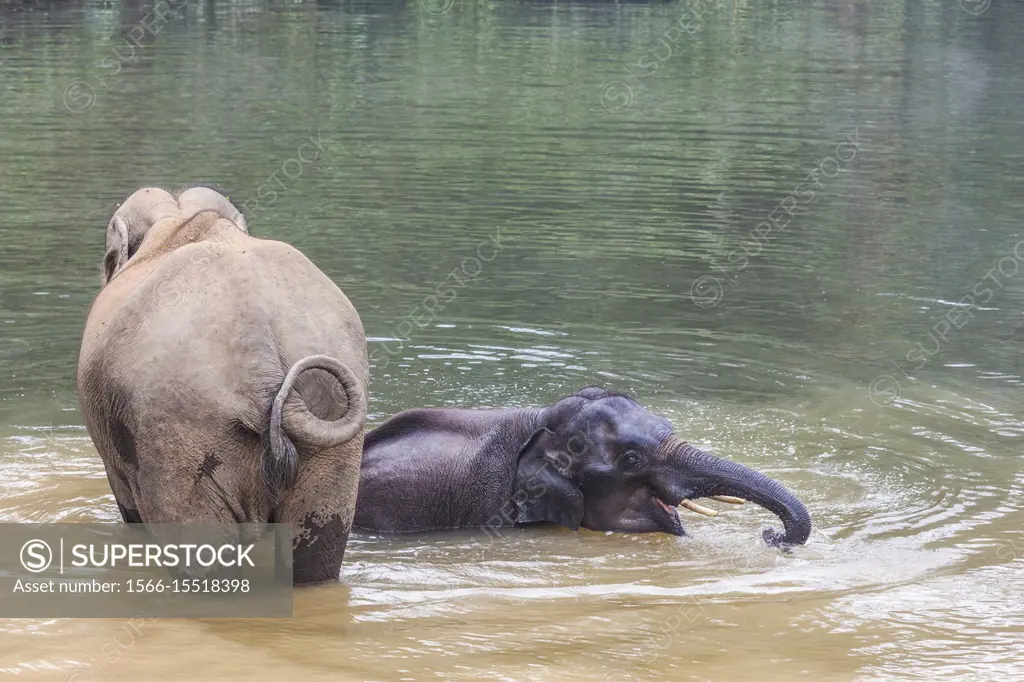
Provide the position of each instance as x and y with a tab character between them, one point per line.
117	248
544	490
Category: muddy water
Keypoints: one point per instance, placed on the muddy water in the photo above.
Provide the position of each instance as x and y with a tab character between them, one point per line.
600	220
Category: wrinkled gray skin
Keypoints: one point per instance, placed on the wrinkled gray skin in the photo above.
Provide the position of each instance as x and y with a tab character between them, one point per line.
223	377
595	459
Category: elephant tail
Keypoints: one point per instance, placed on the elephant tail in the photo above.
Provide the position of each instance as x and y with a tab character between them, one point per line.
291	423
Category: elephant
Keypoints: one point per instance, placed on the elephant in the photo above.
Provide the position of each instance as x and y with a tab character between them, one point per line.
595	459
223	377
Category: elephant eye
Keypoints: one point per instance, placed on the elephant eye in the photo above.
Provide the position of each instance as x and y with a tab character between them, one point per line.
631	460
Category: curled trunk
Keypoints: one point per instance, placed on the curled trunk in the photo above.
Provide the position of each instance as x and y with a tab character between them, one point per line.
709	475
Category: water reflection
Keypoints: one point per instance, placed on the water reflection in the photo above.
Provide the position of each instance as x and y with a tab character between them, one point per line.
447	124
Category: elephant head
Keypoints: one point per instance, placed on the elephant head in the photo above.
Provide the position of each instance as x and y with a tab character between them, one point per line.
146	207
604	462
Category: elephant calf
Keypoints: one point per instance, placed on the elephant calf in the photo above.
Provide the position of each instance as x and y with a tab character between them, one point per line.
222	377
595	459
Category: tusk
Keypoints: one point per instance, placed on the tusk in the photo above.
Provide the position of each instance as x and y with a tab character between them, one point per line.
694	507
728	499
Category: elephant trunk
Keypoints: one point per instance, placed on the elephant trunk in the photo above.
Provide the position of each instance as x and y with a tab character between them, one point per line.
714	476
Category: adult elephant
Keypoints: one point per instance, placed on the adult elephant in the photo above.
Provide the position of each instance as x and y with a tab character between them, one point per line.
223	377
595	459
